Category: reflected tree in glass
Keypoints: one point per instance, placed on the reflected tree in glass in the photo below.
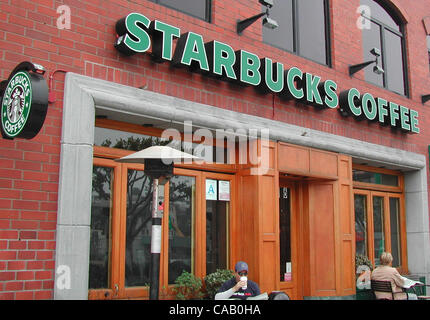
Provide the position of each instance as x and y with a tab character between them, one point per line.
139	209
360	206
181	225
395	231
101	215
378	227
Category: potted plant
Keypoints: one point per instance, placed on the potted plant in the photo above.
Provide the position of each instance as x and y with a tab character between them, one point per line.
188	286
215	280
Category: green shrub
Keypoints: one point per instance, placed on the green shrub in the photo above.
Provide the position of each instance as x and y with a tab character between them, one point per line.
188	286
214	281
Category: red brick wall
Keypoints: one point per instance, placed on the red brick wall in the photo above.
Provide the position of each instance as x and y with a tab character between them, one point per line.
29	168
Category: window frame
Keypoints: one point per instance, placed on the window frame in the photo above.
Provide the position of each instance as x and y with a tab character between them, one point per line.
208	11
296	34
372	186
104	157
370	190
402	34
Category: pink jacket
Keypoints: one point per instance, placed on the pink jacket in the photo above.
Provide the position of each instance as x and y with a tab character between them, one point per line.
387	273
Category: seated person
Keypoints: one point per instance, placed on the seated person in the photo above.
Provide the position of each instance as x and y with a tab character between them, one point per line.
238	287
385	272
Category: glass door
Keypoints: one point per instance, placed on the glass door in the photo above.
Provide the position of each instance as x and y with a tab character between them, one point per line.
217	202
361	222
379	235
195	230
181	225
379	226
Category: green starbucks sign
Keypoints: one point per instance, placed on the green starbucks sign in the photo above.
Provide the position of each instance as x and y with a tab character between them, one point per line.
137	34
24	102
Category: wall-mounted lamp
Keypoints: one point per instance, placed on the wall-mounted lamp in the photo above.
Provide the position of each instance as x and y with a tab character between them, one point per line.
267	22
425	98
377	69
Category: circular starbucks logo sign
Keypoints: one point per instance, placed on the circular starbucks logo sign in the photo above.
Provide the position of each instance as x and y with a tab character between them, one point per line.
16	104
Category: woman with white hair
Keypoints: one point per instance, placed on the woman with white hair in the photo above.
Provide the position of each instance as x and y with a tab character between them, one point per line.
385	272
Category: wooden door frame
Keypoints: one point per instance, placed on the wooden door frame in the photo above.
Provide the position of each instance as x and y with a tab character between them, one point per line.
118	232
232	241
387	227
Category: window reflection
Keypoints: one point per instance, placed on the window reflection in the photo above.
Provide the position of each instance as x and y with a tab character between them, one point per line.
360	206
372	39
138	228
181	225
217	215
101	213
283	36
378	227
375	178
112	138
394	62
302	28
385	33
312	30
196	8
395	231
380	14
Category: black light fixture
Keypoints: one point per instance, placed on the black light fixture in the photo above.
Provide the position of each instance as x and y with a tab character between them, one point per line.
267	22
425	98
377	69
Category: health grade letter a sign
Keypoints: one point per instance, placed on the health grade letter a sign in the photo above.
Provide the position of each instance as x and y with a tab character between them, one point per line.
24	102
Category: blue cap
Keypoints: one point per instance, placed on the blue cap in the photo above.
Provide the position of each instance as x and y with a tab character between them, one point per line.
241	266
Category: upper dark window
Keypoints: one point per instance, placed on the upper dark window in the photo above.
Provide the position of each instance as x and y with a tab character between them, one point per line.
196	8
303	28
384	31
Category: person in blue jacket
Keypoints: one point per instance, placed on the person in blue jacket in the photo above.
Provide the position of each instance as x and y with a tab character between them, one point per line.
238	287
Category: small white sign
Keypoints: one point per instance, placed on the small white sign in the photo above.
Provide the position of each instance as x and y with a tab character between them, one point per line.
224	190
211	189
156	239
288	267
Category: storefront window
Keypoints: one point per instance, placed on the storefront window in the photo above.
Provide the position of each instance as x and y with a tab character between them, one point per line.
111	138
360	204
395	231
211	152
195	230
101	217
378	227
303	28
379	214
138	229
386	33
181	225
217	221
197	8
375	178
